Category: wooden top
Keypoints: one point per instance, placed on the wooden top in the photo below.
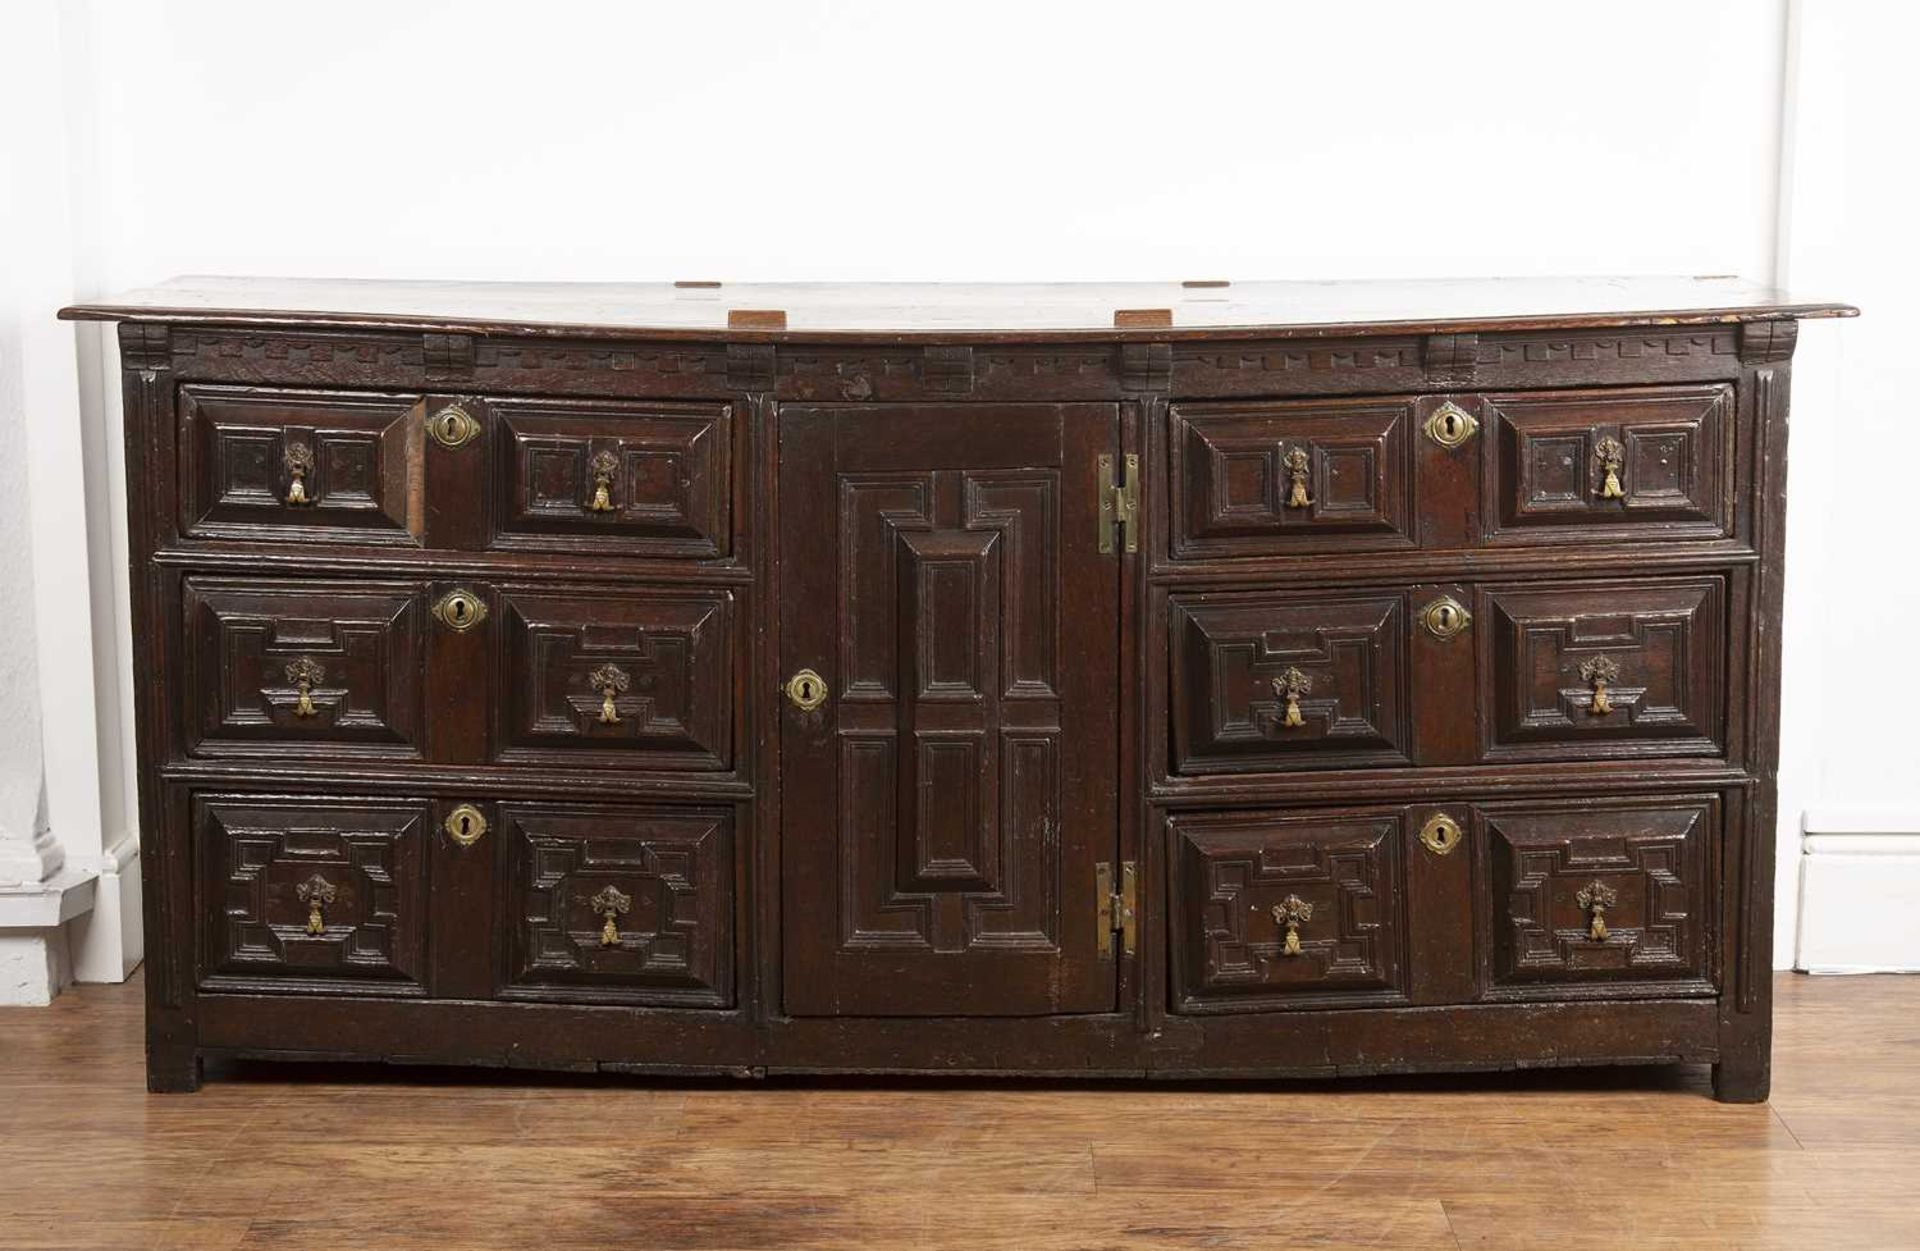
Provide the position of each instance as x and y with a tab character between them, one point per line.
958	312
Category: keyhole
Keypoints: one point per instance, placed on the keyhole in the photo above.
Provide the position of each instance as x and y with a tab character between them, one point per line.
466	826
1445	617
806	690
459	612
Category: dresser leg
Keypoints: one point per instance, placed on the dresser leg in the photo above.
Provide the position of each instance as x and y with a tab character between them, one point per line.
172	1069
1745	1080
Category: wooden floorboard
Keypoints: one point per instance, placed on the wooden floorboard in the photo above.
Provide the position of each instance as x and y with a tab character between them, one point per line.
341	1157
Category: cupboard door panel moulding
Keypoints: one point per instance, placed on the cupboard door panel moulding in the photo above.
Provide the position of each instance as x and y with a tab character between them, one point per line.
1166	680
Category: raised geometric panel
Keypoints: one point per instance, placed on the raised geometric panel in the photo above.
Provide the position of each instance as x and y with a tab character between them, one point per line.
313	466
619	905
1237	657
313	894
314	668
949	719
649	480
636	676
1644	463
1269	478
1603	668
1592	895
1245	882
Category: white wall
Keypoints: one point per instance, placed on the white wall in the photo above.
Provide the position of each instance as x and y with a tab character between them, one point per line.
994	140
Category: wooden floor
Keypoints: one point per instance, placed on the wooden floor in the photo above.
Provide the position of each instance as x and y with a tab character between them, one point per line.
343	1158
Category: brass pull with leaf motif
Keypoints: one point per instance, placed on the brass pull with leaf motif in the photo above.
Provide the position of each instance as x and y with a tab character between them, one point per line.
316	892
1297	462
604	466
1290	686
611	904
1594	899
611	681
305	674
1292	912
299	462
1613	458
1599	673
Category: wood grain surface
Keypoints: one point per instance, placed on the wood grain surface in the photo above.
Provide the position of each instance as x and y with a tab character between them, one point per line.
280	1156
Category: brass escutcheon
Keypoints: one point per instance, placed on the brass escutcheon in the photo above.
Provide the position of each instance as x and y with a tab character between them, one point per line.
1441	834
1451	425
453	426
806	690
1445	617
460	609
465	825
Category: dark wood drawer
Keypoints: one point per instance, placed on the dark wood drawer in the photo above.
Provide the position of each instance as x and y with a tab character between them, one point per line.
303	667
618	904
1595	466
312	466
1276	681
1288	910
649	479
1253	479
313	894
1236	658
637	676
1270	478
1593	896
1589	669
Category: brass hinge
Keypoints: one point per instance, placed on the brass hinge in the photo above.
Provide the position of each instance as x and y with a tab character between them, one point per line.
1120	506
1117	911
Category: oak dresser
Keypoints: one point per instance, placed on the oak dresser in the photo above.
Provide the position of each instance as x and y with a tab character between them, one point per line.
1173	680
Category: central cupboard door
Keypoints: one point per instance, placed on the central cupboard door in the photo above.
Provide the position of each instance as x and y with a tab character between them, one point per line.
946	799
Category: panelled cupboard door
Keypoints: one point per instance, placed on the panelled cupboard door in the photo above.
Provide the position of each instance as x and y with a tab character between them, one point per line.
949	647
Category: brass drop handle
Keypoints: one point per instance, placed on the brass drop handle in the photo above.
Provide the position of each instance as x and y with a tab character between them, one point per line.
1600	673
303	675
316	892
604	466
1298	462
299	462
1613	459
611	681
1594	900
1292	912
611	904
1290	686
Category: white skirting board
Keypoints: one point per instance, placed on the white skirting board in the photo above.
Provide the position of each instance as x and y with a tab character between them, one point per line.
1859	891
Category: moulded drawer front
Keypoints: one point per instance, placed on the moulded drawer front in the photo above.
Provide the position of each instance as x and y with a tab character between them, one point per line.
1588	896
313	466
1279	910
1612	668
637	479
619	904
636	676
1633	463
310	893
1270	478
304	667
1279	680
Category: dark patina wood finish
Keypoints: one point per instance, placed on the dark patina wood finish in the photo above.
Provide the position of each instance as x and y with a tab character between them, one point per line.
1145	679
